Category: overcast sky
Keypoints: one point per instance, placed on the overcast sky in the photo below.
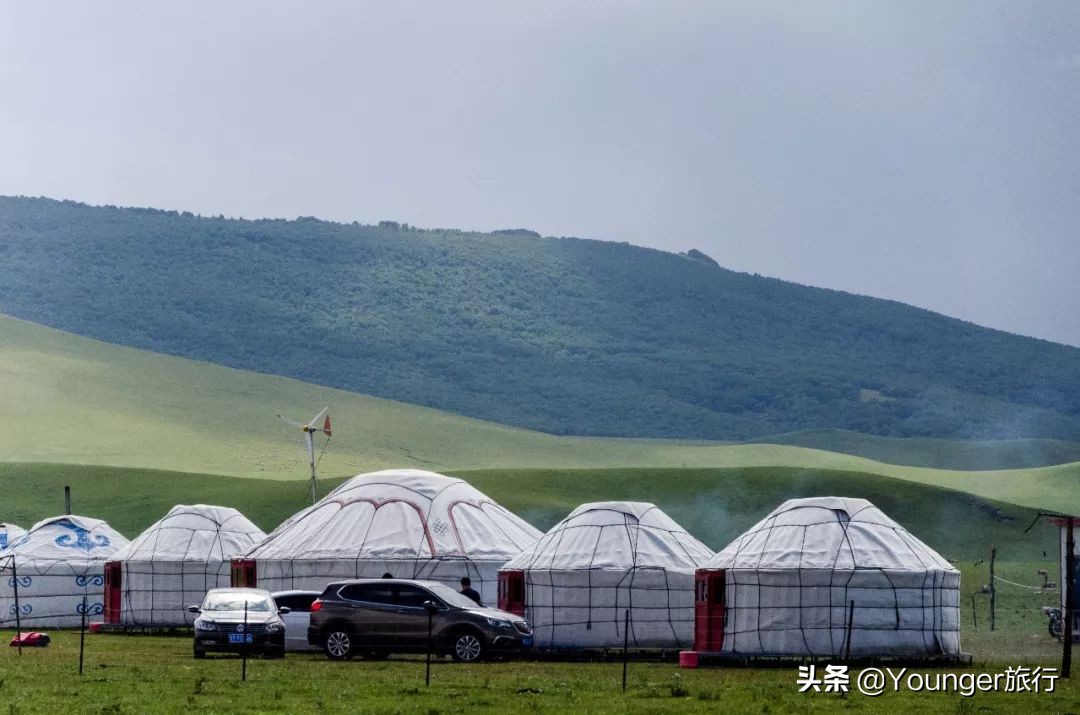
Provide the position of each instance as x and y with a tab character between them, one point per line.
923	151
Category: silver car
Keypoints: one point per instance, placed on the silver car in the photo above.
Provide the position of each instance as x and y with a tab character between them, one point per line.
238	620
297	619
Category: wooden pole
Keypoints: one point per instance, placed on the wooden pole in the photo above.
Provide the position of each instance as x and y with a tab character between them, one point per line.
625	647
993	593
427	656
18	613
82	635
67	500
1067	591
243	644
850	620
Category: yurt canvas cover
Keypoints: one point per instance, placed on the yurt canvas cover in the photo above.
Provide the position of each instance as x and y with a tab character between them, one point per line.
605	558
789	583
172	564
405	522
9	534
56	564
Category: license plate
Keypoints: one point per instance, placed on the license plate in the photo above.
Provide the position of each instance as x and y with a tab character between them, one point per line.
241	638
527	642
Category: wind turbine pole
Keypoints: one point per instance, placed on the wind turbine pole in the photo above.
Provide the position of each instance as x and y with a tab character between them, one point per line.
311	455
309	431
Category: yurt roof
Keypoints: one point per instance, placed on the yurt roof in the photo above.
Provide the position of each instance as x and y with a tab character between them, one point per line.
9	533
614	535
400	514
828	533
197	532
69	538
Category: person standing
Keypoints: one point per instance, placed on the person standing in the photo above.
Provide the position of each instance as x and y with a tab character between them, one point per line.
468	591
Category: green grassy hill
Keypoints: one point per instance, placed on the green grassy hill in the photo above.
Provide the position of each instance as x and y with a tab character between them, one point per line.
563	335
936	453
715	505
78	401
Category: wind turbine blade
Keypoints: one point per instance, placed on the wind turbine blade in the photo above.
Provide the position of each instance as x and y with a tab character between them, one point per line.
310	446
314	420
287	421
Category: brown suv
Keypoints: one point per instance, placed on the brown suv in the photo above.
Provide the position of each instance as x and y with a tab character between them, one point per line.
376	617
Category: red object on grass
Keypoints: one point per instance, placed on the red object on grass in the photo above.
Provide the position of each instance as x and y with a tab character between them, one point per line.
33	639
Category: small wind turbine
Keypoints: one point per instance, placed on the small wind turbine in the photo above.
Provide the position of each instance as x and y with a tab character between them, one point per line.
309	431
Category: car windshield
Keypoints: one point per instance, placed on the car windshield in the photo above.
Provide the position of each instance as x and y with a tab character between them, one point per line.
451	597
233	601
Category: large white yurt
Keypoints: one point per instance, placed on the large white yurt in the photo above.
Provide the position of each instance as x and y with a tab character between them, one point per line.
9	534
56	564
577	582
813	571
405	522
172	565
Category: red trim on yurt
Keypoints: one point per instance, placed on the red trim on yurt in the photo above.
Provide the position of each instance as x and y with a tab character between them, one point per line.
114	575
243	574
709	607
512	592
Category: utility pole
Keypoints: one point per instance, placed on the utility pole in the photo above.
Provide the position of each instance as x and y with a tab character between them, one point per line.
1067	592
993	593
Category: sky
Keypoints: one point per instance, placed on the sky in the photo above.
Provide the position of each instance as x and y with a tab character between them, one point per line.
919	151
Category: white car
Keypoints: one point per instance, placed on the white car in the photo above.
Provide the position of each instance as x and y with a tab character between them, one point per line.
296	620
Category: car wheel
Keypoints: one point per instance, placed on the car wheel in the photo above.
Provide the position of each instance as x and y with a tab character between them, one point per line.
338	644
278	652
467	647
199	653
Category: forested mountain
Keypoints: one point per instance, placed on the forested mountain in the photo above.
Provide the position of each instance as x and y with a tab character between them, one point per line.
564	335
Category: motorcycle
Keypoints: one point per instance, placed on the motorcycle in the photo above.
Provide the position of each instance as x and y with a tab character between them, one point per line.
1056	626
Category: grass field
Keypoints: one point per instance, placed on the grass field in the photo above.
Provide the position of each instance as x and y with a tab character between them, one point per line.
78	401
138	674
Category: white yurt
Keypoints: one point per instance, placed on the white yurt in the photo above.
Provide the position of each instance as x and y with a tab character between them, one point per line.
9	533
406	522
172	565
796	581
577	582
57	563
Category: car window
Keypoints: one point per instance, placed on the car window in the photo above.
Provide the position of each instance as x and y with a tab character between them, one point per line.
451	597
368	593
234	601
412	596
296	602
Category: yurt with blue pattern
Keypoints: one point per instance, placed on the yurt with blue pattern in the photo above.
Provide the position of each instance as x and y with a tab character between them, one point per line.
56	571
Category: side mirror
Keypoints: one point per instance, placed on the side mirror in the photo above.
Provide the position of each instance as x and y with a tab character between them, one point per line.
431	606
194	609
283	610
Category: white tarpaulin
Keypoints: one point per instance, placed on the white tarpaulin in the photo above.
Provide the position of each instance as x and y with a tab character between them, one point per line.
406	522
602	560
9	533
791	579
172	564
56	564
